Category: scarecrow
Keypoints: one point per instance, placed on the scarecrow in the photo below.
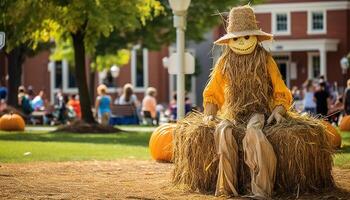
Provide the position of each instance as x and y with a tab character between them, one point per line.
247	87
246	90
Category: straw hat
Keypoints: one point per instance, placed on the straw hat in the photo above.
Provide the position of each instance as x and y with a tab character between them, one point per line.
242	22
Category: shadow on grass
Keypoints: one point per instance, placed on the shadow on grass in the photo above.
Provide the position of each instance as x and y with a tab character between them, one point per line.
129	138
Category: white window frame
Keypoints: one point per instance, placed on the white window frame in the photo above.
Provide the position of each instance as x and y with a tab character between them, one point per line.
310	70
311	31
145	55
274	23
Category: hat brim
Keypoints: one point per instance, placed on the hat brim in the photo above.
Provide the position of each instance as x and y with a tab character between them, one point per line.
262	36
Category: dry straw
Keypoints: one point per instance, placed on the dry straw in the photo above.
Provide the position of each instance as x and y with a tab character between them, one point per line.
303	153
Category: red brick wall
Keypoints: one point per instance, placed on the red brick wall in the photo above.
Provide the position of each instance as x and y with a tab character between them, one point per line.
158	75
300	58
264	21
36	74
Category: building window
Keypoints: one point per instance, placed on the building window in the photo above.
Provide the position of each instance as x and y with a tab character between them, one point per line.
314	65
58	74
139	67
139	72
72	83
316	22
108	80
281	23
316	68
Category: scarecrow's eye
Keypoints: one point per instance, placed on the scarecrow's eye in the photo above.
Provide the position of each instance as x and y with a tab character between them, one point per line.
246	37
235	39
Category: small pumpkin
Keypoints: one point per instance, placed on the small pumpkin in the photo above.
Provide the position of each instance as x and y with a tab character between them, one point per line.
12	122
345	123
333	135
161	142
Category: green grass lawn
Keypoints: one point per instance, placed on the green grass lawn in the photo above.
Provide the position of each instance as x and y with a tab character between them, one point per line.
44	146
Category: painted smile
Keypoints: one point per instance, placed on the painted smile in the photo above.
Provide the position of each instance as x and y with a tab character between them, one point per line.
245	48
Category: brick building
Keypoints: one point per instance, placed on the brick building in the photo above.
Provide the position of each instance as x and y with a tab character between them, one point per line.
144	70
310	37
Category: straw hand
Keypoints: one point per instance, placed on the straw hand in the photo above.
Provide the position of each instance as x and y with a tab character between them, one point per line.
210	111
277	114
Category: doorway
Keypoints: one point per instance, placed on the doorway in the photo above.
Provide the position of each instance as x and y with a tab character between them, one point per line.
283	65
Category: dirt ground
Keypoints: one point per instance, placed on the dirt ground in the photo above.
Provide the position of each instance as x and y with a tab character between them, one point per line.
123	179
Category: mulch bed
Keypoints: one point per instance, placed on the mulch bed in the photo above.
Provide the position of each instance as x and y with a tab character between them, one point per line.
80	126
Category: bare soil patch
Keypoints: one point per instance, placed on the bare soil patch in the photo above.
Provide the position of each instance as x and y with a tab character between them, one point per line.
122	179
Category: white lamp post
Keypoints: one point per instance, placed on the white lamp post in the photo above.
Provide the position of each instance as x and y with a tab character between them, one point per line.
115	71
344	64
179	8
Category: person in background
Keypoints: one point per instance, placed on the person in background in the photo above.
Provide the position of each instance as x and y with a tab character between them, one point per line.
296	93
326	84
173	106
346	98
3	105
103	104
30	92
60	107
128	97
24	101
149	104
3	92
38	101
322	100
74	103
309	103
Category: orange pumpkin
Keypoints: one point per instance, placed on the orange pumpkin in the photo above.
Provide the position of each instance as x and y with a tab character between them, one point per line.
333	135
161	142
12	122
345	123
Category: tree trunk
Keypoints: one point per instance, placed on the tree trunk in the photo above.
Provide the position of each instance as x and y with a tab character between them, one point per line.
15	60
92	85
80	74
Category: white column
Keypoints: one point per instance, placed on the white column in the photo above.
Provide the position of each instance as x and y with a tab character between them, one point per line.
133	66
51	69
65	75
145	68
323	62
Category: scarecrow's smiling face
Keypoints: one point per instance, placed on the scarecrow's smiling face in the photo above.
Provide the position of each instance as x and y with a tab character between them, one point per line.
243	45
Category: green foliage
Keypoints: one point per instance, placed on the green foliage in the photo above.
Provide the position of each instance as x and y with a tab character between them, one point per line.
106	61
99	18
22	20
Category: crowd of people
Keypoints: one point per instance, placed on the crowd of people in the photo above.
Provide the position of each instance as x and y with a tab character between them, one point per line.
316	97
66	108
322	99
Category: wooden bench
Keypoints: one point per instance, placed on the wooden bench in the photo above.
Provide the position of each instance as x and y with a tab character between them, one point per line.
123	114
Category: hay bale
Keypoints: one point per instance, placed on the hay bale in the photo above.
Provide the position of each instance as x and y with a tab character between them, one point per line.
194	154
304	156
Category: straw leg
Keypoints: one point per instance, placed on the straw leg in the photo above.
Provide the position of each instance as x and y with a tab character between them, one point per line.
227	150
260	158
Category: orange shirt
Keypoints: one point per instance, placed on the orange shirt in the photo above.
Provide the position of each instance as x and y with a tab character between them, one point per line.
149	103
76	107
214	91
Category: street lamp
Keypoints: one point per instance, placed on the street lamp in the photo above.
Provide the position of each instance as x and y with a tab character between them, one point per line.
179	8
115	71
344	64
